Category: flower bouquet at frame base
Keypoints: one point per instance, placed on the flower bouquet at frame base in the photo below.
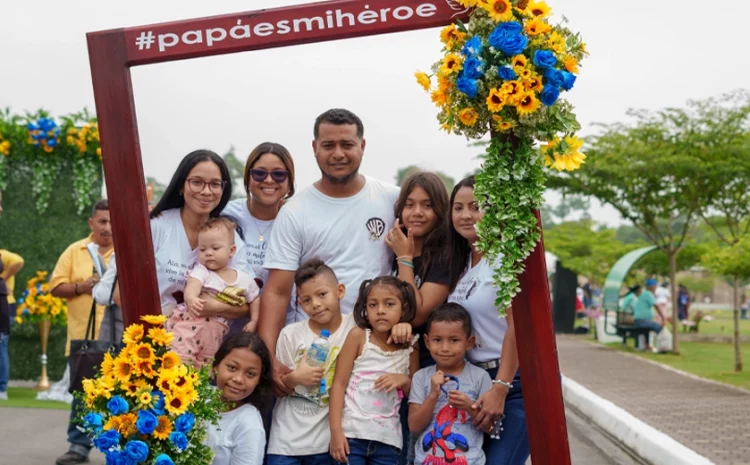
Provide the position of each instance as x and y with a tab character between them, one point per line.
146	407
503	73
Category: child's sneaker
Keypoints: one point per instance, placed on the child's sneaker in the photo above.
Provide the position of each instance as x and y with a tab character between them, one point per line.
4	395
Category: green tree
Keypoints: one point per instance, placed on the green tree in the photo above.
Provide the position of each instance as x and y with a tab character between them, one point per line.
407	171
159	188
236	173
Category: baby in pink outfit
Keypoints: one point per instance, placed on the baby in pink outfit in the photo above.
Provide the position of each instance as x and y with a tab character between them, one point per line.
197	338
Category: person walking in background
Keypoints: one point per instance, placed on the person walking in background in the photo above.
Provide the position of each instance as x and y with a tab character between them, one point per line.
10	264
683	302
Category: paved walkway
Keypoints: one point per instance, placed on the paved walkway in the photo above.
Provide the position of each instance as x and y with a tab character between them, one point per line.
711	419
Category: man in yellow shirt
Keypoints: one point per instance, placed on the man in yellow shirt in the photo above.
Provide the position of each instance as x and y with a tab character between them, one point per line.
11	264
73	279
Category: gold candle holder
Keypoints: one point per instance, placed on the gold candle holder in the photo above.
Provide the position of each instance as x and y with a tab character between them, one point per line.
44	328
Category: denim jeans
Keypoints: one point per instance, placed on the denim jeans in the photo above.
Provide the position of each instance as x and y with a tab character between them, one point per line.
364	452
4	362
314	459
650	324
80	442
512	448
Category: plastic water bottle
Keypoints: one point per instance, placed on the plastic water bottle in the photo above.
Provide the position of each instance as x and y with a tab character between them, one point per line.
318	354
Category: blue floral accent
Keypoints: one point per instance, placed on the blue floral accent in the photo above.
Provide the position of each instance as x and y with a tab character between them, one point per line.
136	451
163	459
147	422
569	79
179	440
507	37
93	421
158	408
506	73
473	68
473	47
544	59
549	95
107	439
184	423
470	87
554	77
117	405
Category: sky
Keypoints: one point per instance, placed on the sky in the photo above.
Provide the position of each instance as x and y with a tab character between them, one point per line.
644	54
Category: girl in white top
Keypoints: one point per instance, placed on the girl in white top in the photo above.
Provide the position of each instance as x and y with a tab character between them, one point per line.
243	375
373	375
269	183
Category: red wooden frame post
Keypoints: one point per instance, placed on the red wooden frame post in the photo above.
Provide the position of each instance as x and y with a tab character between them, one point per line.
112	53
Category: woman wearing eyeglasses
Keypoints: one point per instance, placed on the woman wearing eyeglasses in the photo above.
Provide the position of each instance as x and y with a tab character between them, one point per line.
269	182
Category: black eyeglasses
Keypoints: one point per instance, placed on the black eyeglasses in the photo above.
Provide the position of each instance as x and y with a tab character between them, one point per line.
197	185
260	175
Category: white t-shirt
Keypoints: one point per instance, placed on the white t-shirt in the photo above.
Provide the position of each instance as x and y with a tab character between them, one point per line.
662	295
300	421
175	258
476	292
347	234
239	438
252	229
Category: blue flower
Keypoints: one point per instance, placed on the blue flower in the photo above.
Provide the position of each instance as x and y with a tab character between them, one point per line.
470	87
116	457
32	127
146	422
554	77
51	142
93	421
46	124
137	451
506	73
117	405
158	408
549	95
163	459
513	45
107	439
184	423
473	68
508	38
544	59
179	440
568	80
510	28
472	46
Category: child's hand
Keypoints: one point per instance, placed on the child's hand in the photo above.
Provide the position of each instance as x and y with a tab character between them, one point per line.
400	334
392	381
251	326
195	306
339	446
437	380
401	244
460	400
307	375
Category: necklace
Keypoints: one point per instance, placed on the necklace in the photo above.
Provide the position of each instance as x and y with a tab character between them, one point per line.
262	236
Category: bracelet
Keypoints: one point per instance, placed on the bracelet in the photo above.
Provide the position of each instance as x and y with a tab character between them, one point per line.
407	263
76	290
405	257
502	383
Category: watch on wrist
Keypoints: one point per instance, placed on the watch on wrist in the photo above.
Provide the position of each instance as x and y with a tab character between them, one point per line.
502	383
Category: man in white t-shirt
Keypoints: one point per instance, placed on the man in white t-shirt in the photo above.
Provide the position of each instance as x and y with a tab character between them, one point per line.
340	219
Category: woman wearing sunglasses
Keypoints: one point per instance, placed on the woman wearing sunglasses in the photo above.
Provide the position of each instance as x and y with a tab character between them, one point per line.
269	181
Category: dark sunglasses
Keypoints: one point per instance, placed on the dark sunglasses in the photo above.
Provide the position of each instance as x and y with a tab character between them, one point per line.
260	175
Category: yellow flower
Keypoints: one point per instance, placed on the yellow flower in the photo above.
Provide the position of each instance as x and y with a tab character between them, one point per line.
556	42
518	61
567	161
176	403
155	320
19	320
536	27
573	143
468	3
145	368
468	116
533	83
108	365
513	90
538	9
571	64
122	369
501	125
160	337
142	352
163	428
451	64
496	100
423	80
166	378
127	424
450	35
132	388
446	127
133	335
146	400
99	151
439	97
112	424
499	10
169	361
527	104
444	84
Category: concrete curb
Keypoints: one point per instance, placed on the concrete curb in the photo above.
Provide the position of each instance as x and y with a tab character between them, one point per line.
647	442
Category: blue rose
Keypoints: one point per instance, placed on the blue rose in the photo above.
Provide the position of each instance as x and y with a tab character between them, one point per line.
184	423
510	28
554	77
158	408
513	45
179	440
470	87
508	38
568	80
544	59
93	421
163	459
549	95
136	451
107	439
146	422
473	68
117	405
472	46
32	126
115	457
506	73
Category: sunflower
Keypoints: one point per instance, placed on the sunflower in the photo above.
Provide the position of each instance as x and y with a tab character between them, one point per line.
155	320
527	104
165	380
163	428
533	83
423	80
468	116
146	400
538	9
571	64
513	90
122	369
112	423
145	368
444	84
132	388
160	337
133	335
107	365
170	360
502	125
496	100
446	127
451	64
143	351
439	97
127	424
537	27
499	10
176	403
556	42
450	35
568	161
518	61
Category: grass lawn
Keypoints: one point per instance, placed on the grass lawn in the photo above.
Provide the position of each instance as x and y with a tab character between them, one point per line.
723	323
712	361
26	397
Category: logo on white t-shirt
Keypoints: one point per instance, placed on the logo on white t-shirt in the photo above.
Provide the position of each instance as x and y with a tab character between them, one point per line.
376	228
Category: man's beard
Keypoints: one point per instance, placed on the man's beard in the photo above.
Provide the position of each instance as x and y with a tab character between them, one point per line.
341	180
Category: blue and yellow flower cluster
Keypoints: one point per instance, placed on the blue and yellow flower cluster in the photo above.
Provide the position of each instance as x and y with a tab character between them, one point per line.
44	133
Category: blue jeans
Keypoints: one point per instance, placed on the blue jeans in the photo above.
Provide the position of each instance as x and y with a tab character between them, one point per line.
4	361
364	452
80	442
315	459
650	324
513	446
